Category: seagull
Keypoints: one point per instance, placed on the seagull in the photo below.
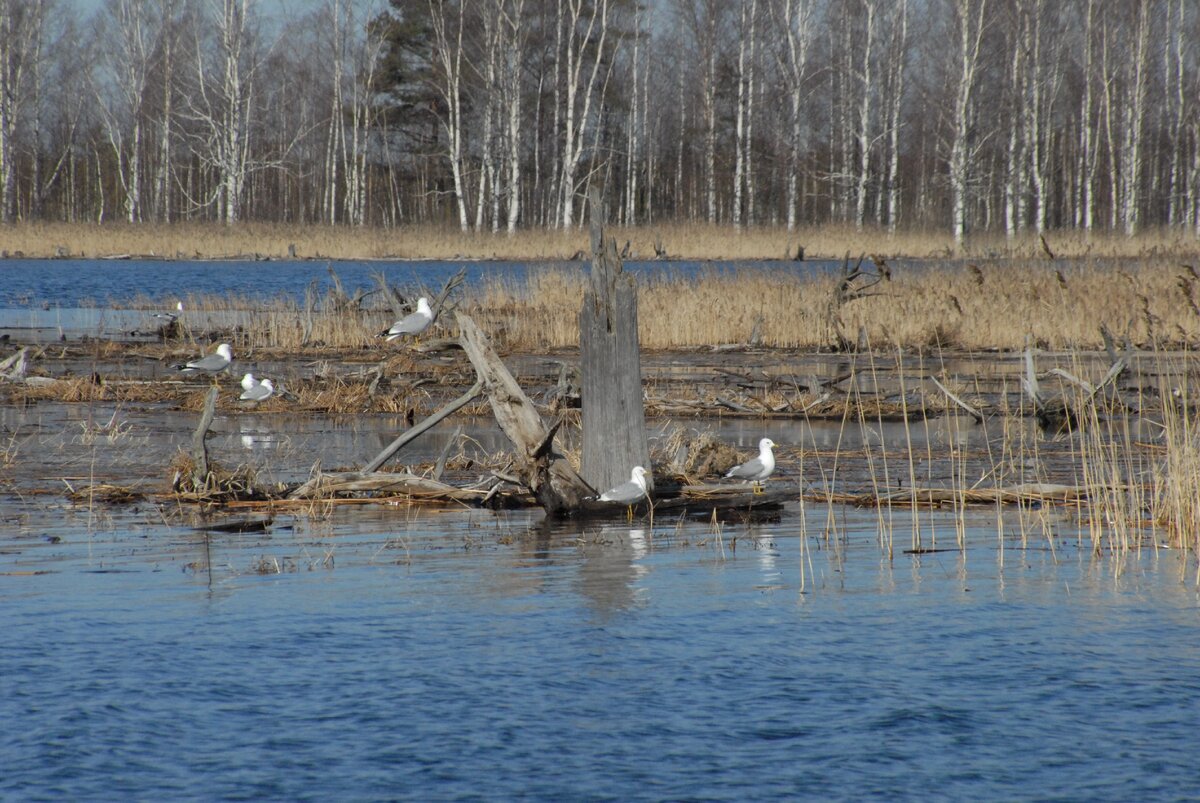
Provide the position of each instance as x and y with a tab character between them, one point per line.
213	363
260	392
627	493
170	317
413	324
249	382
757	469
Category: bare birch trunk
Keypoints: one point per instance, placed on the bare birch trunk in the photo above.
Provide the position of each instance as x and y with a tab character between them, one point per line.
863	129
1134	112
899	52
969	19
794	18
448	37
739	170
581	91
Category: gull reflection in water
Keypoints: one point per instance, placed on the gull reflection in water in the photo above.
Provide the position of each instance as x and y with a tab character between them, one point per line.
257	437
612	567
768	556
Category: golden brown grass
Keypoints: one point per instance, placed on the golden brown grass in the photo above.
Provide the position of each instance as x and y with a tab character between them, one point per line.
984	305
995	305
680	241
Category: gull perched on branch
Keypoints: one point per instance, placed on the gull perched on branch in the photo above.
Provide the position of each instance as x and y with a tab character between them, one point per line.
756	469
628	493
413	324
212	364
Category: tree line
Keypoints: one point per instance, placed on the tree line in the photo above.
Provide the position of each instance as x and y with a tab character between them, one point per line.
967	115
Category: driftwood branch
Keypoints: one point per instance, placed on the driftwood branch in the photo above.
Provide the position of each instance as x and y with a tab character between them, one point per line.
352	482
978	416
13	368
558	488
412	434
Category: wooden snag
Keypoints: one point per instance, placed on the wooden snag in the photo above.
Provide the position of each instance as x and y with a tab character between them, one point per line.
614	427
200	471
558	488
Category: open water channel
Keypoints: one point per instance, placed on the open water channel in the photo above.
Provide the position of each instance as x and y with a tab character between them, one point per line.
404	653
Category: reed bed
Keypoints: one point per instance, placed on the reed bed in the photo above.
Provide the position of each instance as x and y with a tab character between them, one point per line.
997	306
991	305
677	240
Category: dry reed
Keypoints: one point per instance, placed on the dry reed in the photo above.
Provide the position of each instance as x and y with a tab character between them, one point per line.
679	240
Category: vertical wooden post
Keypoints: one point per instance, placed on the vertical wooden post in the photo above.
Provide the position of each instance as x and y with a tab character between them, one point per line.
200	469
614	424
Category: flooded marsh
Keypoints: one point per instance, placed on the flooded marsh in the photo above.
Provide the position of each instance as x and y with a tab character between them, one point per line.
942	607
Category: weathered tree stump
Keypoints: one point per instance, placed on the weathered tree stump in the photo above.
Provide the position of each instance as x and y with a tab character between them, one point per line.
200	468
614	427
558	488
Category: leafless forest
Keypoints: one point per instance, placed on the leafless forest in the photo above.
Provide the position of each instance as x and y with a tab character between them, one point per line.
958	115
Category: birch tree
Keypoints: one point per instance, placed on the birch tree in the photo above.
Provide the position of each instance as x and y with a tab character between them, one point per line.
585	34
448	21
968	25
220	107
702	19
747	41
897	59
1133	113
21	24
794	19
132	30
512	56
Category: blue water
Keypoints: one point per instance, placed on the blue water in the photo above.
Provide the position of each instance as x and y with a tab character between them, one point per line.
474	655
81	282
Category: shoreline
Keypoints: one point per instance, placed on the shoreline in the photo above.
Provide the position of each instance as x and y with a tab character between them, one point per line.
666	243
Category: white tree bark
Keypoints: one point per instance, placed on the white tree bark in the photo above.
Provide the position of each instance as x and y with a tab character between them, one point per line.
21	26
513	55
448	24
969	16
220	107
1132	120
899	54
863	133
739	170
585	38
1087	125
794	18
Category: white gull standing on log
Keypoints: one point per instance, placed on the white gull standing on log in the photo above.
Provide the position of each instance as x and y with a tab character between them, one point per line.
756	469
413	324
213	363
627	492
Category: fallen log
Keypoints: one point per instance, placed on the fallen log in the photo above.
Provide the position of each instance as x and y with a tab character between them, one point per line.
710	500
358	482
557	486
943	497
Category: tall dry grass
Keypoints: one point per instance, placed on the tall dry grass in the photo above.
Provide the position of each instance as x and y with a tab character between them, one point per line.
679	240
993	305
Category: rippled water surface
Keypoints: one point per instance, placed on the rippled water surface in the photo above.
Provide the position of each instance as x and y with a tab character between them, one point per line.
387	652
78	282
382	652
